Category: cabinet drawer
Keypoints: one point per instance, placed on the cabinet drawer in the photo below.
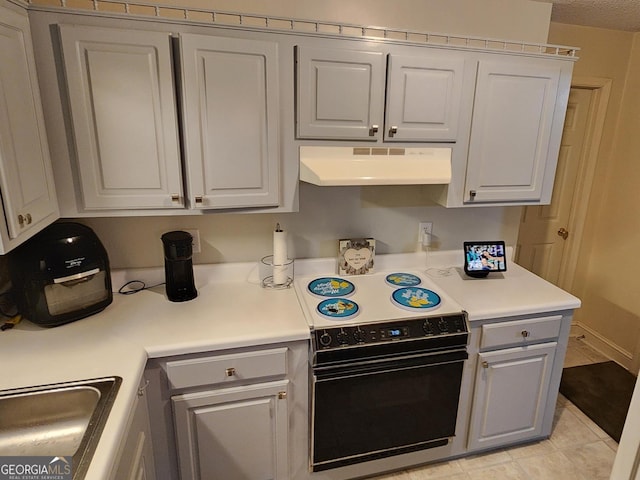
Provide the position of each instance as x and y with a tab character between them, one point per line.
520	332
222	369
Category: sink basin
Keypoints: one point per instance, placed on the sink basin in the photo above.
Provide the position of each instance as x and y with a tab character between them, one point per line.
57	420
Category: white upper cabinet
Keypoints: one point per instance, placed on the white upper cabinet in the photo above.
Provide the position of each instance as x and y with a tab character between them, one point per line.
26	179
231	129
515	131
341	95
424	96
123	112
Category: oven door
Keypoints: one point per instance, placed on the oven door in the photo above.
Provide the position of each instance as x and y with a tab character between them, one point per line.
378	408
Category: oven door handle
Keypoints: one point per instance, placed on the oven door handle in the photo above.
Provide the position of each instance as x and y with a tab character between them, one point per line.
365	367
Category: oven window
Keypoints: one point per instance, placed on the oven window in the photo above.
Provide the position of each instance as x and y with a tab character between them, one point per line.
383	410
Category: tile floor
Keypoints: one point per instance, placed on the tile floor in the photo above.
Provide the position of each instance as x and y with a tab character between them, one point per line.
577	449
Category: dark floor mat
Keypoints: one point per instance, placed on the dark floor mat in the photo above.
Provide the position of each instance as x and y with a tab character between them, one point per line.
602	391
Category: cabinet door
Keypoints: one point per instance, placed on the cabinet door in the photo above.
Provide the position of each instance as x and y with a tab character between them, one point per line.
26	178
423	98
123	111
511	130
231	128
510	395
340	93
230	433
136	461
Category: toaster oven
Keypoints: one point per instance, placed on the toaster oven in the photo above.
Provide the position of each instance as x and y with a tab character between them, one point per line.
61	275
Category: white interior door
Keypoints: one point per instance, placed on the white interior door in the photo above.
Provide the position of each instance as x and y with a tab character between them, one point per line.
544	230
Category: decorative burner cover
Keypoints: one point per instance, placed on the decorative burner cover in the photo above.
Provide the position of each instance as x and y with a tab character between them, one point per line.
403	280
415	298
331	287
338	308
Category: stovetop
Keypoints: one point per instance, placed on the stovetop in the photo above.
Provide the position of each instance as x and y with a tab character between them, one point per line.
334	300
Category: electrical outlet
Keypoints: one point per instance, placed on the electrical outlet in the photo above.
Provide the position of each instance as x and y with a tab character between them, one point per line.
424	232
196	240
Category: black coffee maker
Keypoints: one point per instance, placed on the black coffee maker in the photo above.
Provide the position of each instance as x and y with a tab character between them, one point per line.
178	267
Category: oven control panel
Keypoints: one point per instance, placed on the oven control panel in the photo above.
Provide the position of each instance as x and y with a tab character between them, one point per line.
376	333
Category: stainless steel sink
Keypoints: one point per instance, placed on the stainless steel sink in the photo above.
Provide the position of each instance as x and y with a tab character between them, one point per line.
57	420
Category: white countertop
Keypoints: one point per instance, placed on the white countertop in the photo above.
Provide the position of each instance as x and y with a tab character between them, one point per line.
232	310
501	294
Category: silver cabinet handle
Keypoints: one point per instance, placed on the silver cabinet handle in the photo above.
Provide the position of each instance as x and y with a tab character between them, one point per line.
199	200
175	198
230	372
373	130
393	130
472	194
525	333
485	364
143	388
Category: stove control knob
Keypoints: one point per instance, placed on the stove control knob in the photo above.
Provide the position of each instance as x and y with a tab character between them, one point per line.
359	335
342	338
325	339
444	326
427	327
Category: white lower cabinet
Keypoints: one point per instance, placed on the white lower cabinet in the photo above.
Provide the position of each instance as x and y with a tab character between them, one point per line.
510	395
517	375
231	414
136	460
236	432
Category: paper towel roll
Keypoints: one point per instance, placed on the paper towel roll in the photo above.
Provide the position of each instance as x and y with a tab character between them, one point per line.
279	256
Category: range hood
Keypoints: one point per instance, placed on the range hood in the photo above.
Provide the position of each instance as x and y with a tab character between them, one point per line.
332	166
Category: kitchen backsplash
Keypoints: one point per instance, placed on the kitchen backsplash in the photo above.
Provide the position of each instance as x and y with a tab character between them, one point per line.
388	214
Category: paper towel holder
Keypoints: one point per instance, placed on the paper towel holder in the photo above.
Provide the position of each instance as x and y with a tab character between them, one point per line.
266	273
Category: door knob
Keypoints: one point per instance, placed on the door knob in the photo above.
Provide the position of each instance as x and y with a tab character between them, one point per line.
563	233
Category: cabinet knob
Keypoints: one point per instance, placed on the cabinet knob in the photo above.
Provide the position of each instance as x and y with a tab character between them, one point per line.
24	219
175	198
472	194
485	364
230	372
198	200
393	130
525	333
282	395
373	130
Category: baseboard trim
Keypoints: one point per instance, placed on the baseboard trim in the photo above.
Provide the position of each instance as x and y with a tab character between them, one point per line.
603	345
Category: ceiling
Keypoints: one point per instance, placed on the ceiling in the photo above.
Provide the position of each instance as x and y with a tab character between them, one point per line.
613	14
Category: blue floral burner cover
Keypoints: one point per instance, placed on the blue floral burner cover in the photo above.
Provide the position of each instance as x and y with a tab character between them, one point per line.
331	287
337	308
403	280
415	298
